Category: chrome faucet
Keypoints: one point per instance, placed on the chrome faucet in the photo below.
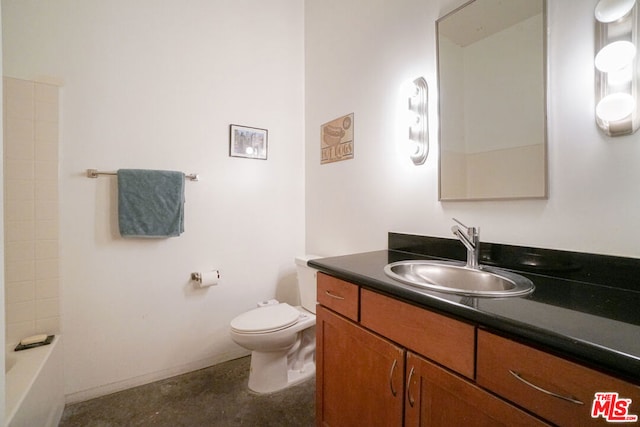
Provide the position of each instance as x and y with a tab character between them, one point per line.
470	238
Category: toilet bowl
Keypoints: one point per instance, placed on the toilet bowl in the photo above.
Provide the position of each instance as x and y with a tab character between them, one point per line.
281	337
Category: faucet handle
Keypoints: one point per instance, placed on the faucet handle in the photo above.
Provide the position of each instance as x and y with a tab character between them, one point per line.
460	223
471	231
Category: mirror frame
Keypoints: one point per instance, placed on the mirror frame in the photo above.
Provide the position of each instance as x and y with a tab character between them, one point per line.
545	63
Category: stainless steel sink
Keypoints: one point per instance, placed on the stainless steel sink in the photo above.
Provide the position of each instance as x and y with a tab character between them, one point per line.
451	277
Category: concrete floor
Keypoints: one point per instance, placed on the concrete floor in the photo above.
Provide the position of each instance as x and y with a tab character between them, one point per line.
215	396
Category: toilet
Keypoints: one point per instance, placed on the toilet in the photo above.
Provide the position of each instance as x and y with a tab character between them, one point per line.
281	337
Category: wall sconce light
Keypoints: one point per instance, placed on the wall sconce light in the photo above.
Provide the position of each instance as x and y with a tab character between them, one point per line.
418	122
616	66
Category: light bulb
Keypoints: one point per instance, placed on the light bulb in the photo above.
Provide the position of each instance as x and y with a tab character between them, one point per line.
620	77
615	107
611	10
615	56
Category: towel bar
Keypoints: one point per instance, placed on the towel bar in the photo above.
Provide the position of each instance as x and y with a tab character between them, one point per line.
93	173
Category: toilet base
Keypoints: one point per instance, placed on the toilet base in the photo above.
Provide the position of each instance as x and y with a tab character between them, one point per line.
269	372
281	358
297	376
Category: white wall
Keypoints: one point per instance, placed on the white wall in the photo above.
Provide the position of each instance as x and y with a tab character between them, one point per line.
359	52
151	84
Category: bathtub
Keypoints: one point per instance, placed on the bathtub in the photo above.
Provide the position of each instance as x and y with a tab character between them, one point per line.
34	386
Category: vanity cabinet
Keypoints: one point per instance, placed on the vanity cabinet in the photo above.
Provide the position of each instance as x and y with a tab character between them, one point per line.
394	364
383	362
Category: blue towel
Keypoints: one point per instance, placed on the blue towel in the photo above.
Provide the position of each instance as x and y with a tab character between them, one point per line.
150	203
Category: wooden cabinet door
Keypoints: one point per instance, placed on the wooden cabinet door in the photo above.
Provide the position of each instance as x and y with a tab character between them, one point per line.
436	397
359	375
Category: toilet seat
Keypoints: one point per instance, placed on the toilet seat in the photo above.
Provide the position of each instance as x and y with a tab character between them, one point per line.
266	319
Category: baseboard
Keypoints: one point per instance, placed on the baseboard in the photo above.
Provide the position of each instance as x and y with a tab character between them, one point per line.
103	390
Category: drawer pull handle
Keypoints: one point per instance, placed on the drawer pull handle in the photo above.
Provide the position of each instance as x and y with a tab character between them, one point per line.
412	401
333	296
550	393
393	368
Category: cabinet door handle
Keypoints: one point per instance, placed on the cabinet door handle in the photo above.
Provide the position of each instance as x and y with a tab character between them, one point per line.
409	397
393	368
333	295
550	393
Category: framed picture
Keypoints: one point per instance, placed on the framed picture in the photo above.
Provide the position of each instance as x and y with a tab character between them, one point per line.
336	140
248	142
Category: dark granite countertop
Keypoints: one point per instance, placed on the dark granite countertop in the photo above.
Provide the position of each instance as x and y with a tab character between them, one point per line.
572	312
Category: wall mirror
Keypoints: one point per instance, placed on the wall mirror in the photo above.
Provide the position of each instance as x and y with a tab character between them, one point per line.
492	100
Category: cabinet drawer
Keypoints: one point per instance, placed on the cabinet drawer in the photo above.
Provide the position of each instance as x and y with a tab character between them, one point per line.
501	361
338	295
446	341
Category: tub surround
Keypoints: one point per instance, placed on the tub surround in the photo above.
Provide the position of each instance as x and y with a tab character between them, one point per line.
31	216
35	386
584	306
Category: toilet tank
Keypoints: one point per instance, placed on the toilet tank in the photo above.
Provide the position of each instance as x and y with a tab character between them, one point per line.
307	282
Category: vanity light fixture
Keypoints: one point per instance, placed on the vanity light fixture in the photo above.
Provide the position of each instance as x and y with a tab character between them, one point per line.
418	125
616	67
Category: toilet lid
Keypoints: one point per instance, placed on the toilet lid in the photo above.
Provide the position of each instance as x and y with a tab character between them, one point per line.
265	319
